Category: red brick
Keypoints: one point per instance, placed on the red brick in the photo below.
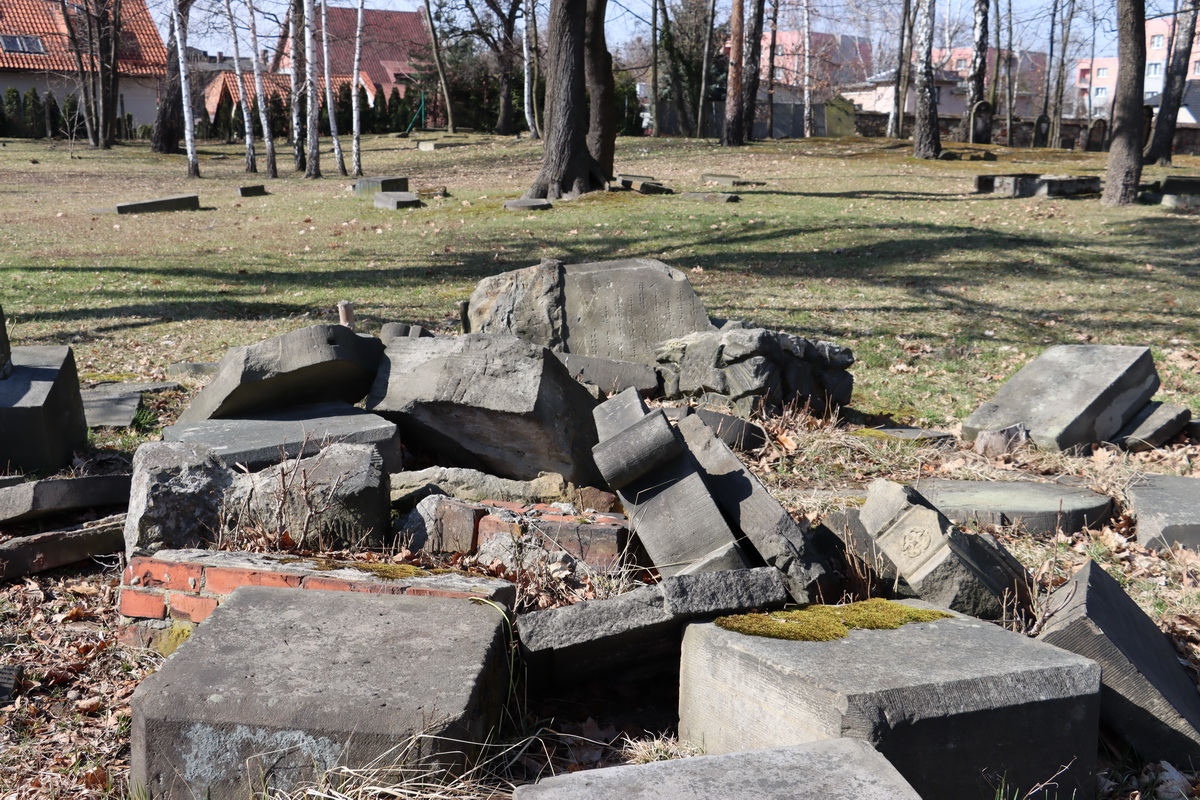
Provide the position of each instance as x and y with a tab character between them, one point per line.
546	507
596	499
559	518
152	572
191	607
142	603
342	585
223	580
613	519
423	591
456	526
492	526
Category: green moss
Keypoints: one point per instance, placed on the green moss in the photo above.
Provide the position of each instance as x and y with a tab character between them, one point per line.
391	572
826	623
174	637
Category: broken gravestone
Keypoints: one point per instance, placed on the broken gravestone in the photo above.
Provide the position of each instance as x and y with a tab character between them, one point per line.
1035	507
1153	426
115	405
34	499
490	402
1167	508
1071	395
311	365
1146	699
42	422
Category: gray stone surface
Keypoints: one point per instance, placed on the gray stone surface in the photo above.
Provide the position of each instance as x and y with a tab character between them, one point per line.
838	769
178	202
391	330
1067	185
733	431
257	190
528	204
1181	184
310	365
908	433
193	369
527	303
367	188
1035	507
1147	698
41	411
247	700
1167	508
1155	425
259	440
392	201
1181	201
114	405
1071	395
636	450
950	703
611	376
638	630
25	555
48	497
750	509
474	486
175	497
490	402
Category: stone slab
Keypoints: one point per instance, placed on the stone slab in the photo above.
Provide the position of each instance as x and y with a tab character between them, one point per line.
429	145
734	431
611	376
711	197
908	433
721	180
114	405
1034	507
1167	508
42	422
1071	395
262	440
1147	699
1153	426
178	202
366	188
258	190
838	769
1181	201
1010	705
1067	185
193	369
25	555
1181	185
277	685
45	498
528	204
392	201
649	187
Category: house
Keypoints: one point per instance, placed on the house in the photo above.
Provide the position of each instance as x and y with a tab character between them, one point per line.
1096	78
221	86
1189	109
395	47
35	52
877	91
837	60
1028	70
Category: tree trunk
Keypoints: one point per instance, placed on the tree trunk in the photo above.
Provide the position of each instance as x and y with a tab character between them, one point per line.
84	79
995	87
810	116
655	121
505	115
1010	89
750	73
975	79
568	169
264	113
528	91
926	137
679	100
598	79
247	119
1050	58
733	133
704	61
1159	151
538	107
1125	151
895	127
1060	79
311	91
330	93
355	109
771	71
185	89
299	66
441	68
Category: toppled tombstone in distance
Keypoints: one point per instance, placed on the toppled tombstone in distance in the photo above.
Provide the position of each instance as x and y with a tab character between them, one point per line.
1167	508
311	365
1035	507
1147	699
490	402
25	555
42	422
528	204
175	202
35	499
1153	426
393	201
115	405
256	190
367	188
1071	395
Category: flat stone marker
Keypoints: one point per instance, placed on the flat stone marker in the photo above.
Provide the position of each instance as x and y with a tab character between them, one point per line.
60	495
1153	426
178	202
528	204
721	180
1147	699
908	433
1035	507
25	555
367	188
252	191
838	769
258	441
1071	395
429	145
1181	201
41	411
114	405
649	187
1067	185
193	369
1167	508
711	197
1010	705
392	201
1181	185
279	685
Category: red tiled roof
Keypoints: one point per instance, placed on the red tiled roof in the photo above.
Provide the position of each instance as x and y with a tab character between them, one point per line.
224	84
396	45
142	53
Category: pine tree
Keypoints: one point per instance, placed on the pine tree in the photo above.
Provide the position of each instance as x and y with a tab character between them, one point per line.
13	113
35	114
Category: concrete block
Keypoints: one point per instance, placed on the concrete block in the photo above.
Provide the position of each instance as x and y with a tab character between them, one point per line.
1067	185
1155	425
278	685
392	201
838	769
952	704
528	204
114	405
367	188
178	202
42	422
45	498
257	190
1167	508
1036	507
316	364
1071	395
1147	699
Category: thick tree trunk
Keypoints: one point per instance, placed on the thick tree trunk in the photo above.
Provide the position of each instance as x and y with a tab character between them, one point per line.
598	79
312	92
247	119
895	126
733	135
975	79
926	137
750	74
994	92
568	169
185	90
1159	151
1060	79
355	109
330	93
1125	151
264	113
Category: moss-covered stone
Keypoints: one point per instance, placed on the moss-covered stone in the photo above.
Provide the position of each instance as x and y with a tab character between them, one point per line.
825	623
391	572
174	637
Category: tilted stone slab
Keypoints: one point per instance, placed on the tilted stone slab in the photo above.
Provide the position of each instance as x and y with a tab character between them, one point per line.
175	498
1147	698
528	204
114	405
639	629
838	769
311	365
1071	395
247	700
1153	426
367	188
907	433
36	499
1035	507
490	402
257	441
193	369
178	202
258	190
527	303
42	422
1011	706
1167	508
393	201
610	376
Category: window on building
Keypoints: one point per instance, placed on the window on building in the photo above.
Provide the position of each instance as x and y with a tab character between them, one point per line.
778	74
1084	76
1196	67
778	50
1101	72
1154	69
22	44
1100	91
1156	41
960	63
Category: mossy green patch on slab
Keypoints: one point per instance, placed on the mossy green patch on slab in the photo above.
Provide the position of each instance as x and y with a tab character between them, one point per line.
391	572
819	623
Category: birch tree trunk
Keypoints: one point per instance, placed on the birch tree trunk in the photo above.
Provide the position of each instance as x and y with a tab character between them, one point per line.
810	117
895	126
299	95
654	118
926	137
313	169
247	119
355	111
528	94
975	80
185	89
264	115
330	95
771	71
